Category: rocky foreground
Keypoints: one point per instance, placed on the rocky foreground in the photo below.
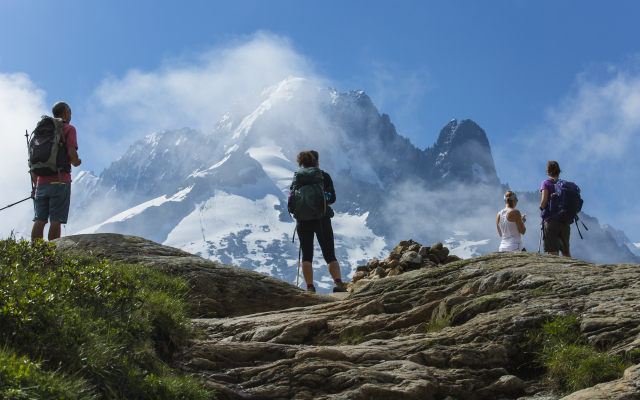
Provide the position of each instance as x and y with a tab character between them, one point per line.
453	331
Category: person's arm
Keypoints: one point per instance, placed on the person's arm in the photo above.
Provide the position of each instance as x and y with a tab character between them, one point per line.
519	221
328	187
498	225
73	156
545	199
34	180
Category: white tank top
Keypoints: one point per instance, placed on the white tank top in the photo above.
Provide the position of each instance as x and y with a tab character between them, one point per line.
511	238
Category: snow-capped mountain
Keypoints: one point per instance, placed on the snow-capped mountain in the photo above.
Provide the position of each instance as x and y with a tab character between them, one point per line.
223	195
621	238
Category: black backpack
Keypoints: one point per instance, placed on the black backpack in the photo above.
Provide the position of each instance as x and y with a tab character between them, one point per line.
307	199
47	153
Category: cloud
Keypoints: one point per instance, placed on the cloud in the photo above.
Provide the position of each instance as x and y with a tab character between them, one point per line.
455	212
593	133
26	104
192	91
600	122
398	92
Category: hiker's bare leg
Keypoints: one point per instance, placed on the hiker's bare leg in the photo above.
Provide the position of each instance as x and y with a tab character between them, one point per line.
54	230
37	232
566	254
334	270
554	253
307	272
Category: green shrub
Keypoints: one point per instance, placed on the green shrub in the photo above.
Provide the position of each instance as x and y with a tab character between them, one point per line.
23	379
569	362
438	324
113	326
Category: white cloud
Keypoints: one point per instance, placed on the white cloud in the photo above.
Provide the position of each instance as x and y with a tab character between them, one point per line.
191	91
24	104
397	92
593	133
600	122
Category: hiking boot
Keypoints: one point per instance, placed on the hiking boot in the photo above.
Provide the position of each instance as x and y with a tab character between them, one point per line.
311	289
339	287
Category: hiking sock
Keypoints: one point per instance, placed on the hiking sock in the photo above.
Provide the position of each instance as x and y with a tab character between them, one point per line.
310	285
337	280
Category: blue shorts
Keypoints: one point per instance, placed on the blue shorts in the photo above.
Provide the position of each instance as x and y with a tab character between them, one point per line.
52	202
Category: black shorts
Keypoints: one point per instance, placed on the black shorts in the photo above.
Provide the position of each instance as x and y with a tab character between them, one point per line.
323	231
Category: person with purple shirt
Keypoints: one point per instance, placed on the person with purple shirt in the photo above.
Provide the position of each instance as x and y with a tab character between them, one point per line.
556	234
52	194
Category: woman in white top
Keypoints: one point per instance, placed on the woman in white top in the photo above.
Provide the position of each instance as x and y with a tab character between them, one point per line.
511	224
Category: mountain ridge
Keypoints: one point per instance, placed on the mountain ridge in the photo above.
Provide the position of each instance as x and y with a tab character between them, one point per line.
223	195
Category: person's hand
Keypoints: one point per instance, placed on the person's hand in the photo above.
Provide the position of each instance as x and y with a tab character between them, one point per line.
524	218
77	163
33	193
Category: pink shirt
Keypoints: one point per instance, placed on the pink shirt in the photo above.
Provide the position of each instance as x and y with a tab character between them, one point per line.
71	141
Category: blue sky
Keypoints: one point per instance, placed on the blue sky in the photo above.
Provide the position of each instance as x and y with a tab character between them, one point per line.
545	79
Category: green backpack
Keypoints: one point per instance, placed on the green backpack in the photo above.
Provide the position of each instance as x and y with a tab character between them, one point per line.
307	199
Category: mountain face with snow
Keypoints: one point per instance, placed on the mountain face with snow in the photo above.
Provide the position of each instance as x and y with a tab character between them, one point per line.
223	195
621	238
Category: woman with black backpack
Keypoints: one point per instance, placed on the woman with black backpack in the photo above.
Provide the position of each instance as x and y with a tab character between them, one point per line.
310	197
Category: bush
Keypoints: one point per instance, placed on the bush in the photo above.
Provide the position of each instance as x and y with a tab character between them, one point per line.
23	379
438	324
108	328
570	363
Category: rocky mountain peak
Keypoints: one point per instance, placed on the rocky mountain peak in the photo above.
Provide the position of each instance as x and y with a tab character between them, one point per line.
462	152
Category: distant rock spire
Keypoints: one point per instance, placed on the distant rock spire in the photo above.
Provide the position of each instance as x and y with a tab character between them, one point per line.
462	152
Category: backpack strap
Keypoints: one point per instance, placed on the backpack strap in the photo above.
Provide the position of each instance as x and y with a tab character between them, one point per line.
294	232
585	227
579	230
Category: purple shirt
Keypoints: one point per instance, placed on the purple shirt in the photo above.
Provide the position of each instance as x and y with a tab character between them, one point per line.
70	141
549	185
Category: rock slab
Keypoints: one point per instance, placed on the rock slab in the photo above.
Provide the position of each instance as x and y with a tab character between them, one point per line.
219	290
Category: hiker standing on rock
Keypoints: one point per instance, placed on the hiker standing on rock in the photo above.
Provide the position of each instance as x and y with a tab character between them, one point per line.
52	194
511	224
555	233
310	196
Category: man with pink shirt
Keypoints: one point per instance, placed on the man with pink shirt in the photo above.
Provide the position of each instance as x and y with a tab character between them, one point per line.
52	194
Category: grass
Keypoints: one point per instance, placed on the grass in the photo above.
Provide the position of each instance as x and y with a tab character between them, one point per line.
438	324
352	336
569	362
74	327
542	290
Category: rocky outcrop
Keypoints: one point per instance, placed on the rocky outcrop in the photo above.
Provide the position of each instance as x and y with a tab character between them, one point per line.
452	331
449	332
219	290
462	152
406	256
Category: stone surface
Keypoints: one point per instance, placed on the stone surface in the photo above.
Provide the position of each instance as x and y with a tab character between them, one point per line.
434	259
411	257
358	275
627	388
219	290
492	300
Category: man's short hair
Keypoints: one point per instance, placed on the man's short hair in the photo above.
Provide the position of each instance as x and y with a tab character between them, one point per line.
60	108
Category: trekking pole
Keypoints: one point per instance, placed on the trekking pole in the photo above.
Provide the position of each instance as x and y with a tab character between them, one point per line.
540	242
298	276
18	202
26	135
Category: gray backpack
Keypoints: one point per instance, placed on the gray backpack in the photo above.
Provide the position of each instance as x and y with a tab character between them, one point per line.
307	199
47	153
